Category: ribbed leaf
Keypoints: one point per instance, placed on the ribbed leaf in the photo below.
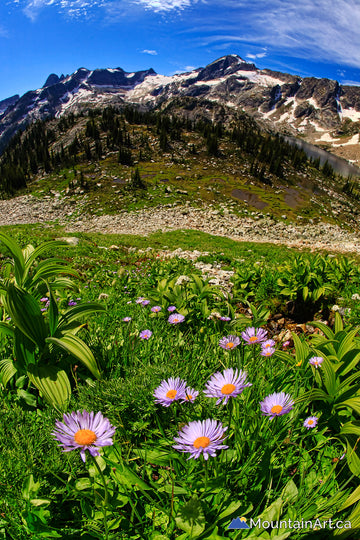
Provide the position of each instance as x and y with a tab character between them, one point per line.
60	283
79	350
24	350
313	395
353	403
350	360
31	256
330	380
325	329
338	323
75	312
16	253
52	383
7	370
6	329
52	268
26	314
352	458
53	312
351	428
347	343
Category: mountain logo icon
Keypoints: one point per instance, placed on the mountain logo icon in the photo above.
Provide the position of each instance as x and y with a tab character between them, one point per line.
239	523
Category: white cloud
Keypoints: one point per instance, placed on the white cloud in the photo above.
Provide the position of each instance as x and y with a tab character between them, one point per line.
73	8
164	5
148	51
326	30
255	56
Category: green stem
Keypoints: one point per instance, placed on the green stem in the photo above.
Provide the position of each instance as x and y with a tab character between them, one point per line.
105	500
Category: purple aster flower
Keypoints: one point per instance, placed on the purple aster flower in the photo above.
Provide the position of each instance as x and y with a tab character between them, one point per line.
145	334
229	342
171	308
176	318
268	343
44	299
140	299
43	309
85	431
225	385
169	391
276	404
191	394
267	351
156	309
254	335
72	303
145	302
201	437
225	318
126	319
311	422
316	361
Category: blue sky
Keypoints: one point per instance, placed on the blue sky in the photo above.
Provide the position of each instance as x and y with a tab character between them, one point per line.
307	37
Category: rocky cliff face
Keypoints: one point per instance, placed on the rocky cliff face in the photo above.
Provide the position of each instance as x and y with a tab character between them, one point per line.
314	108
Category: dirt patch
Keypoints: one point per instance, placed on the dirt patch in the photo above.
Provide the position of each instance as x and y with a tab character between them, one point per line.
293	198
250	198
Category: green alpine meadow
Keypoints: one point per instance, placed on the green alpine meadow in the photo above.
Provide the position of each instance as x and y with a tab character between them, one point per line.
142	401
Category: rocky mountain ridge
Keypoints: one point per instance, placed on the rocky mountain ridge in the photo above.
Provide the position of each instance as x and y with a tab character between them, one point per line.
319	110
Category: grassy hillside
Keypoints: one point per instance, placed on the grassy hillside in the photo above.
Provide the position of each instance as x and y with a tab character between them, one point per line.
121	160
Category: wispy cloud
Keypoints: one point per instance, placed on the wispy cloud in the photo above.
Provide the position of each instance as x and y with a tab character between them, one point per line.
148	51
314	29
165	5
73	8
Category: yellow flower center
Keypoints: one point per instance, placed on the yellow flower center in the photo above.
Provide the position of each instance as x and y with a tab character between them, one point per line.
202	442
253	339
228	389
171	394
276	409
85	437
189	397
310	422
229	345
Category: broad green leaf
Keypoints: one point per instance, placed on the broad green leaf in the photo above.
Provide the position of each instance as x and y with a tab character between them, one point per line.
7	370
24	350
191	517
31	256
6	330
330	381
347	343
314	395
126	476
26	315
349	361
75	347
352	499
290	492
52	268
352	458
16	253
80	310
29	398
353	403
53	383
30	487
338	326
53	312
324	328
351	428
